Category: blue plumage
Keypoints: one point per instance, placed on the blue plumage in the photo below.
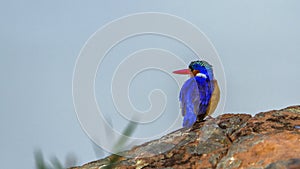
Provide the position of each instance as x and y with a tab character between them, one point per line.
196	92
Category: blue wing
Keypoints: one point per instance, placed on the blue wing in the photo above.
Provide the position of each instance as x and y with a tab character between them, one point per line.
194	99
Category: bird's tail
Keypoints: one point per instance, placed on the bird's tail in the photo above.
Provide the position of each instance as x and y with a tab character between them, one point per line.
189	119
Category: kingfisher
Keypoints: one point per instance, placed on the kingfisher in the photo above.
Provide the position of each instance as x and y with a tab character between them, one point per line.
200	94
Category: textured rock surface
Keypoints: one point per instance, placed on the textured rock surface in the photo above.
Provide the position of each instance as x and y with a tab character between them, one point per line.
267	140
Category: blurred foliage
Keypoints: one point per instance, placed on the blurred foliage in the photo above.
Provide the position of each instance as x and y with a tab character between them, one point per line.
41	164
56	164
121	142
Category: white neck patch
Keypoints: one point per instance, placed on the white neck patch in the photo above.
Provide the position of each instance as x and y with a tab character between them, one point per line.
201	75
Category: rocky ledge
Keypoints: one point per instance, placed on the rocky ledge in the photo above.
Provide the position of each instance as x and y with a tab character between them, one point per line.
267	140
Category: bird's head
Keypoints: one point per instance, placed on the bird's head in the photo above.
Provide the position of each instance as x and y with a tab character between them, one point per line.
198	68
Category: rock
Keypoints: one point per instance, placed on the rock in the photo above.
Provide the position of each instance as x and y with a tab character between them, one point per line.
267	140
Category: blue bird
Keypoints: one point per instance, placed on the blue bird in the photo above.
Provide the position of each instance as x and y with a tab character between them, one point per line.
200	94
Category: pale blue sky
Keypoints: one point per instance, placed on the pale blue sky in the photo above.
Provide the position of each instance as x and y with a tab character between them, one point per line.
257	41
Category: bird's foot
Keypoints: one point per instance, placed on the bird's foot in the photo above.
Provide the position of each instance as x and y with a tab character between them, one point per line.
209	118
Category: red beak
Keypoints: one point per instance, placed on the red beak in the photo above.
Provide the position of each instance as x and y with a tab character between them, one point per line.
183	71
